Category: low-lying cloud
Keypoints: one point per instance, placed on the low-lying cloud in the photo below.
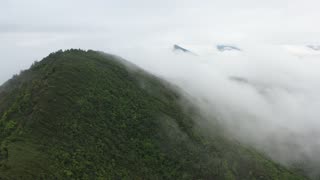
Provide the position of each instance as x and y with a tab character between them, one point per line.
267	98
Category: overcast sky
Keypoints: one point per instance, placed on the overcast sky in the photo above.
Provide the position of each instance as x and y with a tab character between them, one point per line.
29	30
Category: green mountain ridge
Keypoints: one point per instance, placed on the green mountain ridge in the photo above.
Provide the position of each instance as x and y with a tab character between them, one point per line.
89	115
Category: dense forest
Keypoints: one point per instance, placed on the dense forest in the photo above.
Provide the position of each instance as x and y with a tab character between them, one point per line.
90	115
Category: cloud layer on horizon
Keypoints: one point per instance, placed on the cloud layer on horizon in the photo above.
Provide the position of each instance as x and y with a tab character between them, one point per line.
29	30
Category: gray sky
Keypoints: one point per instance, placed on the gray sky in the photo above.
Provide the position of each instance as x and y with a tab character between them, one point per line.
29	30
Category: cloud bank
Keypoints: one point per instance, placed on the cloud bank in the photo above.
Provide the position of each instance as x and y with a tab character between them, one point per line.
265	98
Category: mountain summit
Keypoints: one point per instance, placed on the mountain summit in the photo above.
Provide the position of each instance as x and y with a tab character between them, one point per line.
90	115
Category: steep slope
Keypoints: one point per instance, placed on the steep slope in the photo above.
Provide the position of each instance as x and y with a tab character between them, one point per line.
88	115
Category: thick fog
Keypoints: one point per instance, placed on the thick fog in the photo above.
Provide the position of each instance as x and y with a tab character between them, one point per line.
266	95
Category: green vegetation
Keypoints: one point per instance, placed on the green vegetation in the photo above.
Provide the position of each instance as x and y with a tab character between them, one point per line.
88	115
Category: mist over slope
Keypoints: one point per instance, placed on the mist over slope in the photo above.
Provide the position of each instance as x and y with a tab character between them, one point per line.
89	115
266	97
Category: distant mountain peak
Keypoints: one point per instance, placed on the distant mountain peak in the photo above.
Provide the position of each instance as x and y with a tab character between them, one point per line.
177	48
314	47
223	48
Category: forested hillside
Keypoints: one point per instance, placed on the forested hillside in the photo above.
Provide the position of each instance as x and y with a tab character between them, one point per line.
89	115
